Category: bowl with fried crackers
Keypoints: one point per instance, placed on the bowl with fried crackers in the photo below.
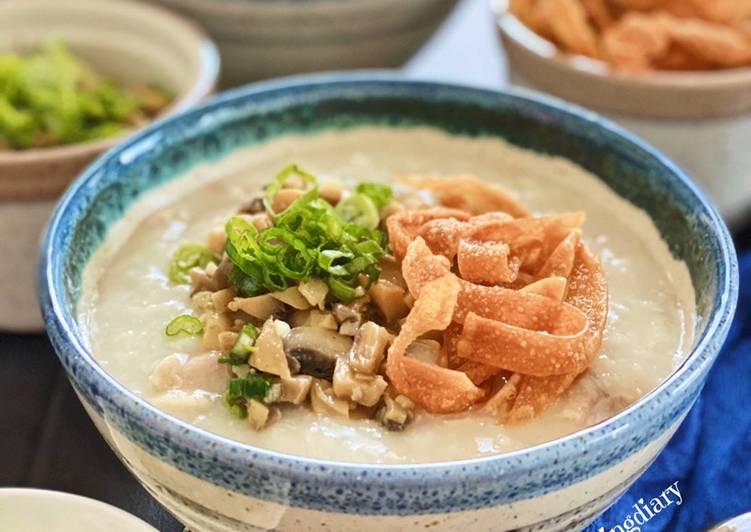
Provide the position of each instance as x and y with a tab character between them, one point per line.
676	72
216	483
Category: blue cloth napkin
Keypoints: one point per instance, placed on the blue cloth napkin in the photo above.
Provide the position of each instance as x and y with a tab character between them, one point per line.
710	455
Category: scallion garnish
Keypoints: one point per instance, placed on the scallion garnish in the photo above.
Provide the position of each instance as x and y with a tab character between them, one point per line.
184	325
380	195
187	257
244	345
309	239
254	386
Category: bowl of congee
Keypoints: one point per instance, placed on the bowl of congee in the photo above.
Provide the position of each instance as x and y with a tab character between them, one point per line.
355	302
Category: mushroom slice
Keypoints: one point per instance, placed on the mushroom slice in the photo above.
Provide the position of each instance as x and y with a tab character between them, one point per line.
369	348
221	298
362	389
316	349
396	412
260	307
315	292
292	297
269	355
323	400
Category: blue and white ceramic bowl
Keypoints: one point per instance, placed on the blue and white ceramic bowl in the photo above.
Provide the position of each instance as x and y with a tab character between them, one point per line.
214	484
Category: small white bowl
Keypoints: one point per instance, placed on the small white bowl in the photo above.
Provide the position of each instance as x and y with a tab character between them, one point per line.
702	120
129	41
260	39
31	510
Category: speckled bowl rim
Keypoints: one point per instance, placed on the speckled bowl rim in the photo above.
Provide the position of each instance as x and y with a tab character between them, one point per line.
202	85
66	336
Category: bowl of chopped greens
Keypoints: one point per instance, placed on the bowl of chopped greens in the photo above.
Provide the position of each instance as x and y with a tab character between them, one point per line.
76	78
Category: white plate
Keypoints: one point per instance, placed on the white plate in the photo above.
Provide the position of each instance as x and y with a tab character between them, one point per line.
30	510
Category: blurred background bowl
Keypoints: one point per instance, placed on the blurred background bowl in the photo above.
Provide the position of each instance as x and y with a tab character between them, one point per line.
128	41
702	120
260	39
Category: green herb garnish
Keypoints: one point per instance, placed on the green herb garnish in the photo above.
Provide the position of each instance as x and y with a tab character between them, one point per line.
380	195
244	346
184	325
309	239
187	257
254	386
50	97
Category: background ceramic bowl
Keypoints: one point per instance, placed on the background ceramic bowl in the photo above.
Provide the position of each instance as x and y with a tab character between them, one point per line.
31	510
125	40
702	120
261	39
214	484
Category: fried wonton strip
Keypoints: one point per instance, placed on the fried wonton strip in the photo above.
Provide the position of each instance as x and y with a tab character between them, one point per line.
561	260
436	389
524	351
569	25
588	291
714	43
470	194
443	236
486	262
519	309
636	41
599	13
552	287
404	226
531	238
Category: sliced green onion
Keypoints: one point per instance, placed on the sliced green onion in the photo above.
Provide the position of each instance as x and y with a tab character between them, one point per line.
184	325
187	257
380	195
341	290
309	239
278	183
245	343
359	209
254	386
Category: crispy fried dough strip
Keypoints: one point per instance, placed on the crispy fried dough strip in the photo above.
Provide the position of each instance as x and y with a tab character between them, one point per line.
569	25
436	389
588	292
404	226
714	43
470	194
525	351
443	235
561	260
486	262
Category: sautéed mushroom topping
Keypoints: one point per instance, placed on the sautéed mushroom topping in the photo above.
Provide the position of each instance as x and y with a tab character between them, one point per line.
366	304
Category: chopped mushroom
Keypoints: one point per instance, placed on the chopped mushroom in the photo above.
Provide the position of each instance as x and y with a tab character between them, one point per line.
227	340
316	349
269	355
389	299
363	389
261	307
323	401
350	317
285	197
260	415
292	297
253	206
214	324
426	350
396	412
295	389
222	298
369	348
203	301
315	291
331	190
217	240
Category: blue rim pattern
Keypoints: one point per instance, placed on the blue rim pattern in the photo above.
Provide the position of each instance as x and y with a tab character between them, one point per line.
358	488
